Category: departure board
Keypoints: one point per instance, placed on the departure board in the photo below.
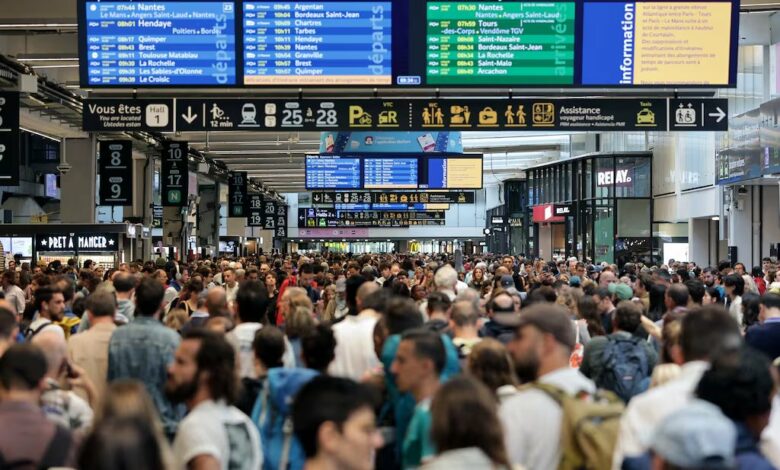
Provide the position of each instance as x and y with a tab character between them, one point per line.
317	43
390	173
500	43
326	172
147	43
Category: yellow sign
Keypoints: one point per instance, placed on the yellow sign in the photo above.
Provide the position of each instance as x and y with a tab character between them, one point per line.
388	118
645	118
488	117
515	118
432	116
460	116
358	117
543	114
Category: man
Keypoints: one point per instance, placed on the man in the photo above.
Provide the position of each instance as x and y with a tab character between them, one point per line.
355	336
27	435
418	364
124	285
704	331
89	350
13	293
532	419
765	337
605	307
642	287
676	298
143	349
395	270
333	419
503	317
386	274
739	269
216	302
607	357
214	434
9	329
252	274
250	306
50	306
438	310
231	285
62	406
606	278
696	291
463	321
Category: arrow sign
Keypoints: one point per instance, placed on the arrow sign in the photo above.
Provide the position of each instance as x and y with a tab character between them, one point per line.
719	114
189	117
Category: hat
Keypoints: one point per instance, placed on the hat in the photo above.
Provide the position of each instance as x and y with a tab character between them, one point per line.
622	291
575	281
594	269
507	281
697	436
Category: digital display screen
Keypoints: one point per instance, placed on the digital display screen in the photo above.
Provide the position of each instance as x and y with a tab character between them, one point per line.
408	43
657	43
326	172
393	172
148	43
500	43
317	43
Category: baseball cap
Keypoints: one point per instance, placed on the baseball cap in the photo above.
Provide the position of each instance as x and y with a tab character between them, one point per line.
622	291
697	436
575	281
507	281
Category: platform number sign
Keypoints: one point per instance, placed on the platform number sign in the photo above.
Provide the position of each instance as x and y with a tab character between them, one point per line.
269	214
116	172
237	194
9	139
175	174
255	215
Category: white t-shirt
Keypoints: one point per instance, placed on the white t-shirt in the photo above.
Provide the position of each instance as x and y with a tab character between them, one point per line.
242	337
221	431
40	321
354	346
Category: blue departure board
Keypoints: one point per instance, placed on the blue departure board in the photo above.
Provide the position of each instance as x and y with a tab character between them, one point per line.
325	172
147	43
317	43
390	173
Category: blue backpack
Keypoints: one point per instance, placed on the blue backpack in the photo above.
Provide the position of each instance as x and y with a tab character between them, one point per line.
626	370
271	415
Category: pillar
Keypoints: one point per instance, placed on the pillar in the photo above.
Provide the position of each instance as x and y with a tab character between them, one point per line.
78	186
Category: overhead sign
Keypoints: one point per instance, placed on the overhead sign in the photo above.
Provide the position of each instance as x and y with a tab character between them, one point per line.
391	142
701	114
157	43
83	242
237	194
116	172
330	218
281	221
255	215
157	216
280	232
9	139
269	214
127	114
429	116
174	174
497	220
395	197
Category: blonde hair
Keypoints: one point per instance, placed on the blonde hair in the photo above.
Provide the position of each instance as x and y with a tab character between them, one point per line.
176	319
568	298
298	321
664	373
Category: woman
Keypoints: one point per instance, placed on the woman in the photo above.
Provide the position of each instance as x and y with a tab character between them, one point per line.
478	280
419	276
735	288
273	296
297	323
750	307
489	362
122	444
657	305
758	278
588	311
712	296
465	427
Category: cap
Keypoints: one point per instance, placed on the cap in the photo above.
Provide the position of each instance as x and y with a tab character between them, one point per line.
622	291
507	281
697	436
594	269
575	281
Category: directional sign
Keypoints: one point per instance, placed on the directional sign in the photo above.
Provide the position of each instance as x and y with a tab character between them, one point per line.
128	114
9	139
174	174
116	172
698	115
386	197
237	196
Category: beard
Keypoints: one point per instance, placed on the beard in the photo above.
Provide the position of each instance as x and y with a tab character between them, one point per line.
527	369
179	393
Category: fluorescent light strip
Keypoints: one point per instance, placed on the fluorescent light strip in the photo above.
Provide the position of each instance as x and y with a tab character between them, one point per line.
60	66
39	134
47	59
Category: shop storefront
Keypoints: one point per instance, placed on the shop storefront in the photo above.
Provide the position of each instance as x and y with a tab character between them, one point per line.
597	207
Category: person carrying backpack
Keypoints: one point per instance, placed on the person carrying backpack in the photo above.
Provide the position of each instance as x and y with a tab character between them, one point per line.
560	420
621	362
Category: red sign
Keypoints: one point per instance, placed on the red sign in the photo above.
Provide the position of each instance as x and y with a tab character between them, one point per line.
545	214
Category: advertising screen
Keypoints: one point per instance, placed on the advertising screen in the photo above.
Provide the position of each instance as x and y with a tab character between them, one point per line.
148	43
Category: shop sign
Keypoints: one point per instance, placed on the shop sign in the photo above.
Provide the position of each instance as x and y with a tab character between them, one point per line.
545	214
621	178
77	242
562	210
497	220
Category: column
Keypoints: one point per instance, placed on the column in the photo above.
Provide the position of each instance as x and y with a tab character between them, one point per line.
78	186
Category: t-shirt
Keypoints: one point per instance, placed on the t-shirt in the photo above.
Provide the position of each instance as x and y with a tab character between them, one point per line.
43	324
354	355
221	431
241	338
417	446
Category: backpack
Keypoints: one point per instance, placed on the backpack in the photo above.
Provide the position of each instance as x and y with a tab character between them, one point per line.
590	427
29	332
271	415
626	371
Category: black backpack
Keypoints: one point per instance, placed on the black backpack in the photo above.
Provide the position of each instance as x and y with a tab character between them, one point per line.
626	370
56	453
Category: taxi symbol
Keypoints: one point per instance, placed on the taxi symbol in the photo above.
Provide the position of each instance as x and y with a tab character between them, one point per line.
488	117
358	117
645	117
543	114
388	118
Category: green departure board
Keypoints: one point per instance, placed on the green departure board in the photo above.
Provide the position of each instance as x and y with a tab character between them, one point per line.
500	43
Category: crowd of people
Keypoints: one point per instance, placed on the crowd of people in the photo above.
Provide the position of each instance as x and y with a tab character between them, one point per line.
389	361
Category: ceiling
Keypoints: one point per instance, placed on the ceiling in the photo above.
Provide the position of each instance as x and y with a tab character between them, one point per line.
42	34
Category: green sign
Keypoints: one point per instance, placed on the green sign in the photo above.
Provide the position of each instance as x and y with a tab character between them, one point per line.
494	43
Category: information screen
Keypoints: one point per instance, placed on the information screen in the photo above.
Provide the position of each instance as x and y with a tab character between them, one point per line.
454	173
326	172
317	43
149	43
391	173
507	43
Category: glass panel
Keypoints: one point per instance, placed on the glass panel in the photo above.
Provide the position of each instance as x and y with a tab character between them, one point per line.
633	217
604	233
588	180
604	176
632	250
632	177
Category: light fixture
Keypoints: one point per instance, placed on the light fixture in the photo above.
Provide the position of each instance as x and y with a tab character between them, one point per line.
40	134
59	66
716	218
